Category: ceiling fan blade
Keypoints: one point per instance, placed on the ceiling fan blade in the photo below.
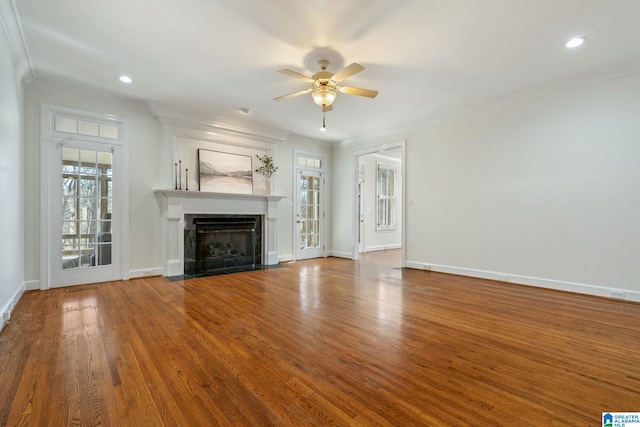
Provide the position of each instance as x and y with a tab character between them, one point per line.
292	95
347	72
296	75
326	108
358	91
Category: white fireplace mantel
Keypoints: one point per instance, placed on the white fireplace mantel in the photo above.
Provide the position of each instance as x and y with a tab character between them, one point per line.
177	203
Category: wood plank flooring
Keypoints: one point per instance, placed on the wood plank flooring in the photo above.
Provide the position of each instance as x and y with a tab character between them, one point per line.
319	342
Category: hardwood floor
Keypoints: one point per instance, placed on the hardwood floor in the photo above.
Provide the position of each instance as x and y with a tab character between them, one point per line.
318	342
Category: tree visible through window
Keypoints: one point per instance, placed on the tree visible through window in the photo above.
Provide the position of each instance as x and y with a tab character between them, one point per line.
386	186
86	207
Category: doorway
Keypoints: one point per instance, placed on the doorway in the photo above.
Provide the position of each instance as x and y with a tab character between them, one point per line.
83	178
309	211
310	215
378	218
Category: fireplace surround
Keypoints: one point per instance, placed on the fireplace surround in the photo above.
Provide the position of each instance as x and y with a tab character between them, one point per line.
176	205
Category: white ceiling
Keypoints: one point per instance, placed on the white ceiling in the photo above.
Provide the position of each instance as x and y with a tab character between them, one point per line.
425	57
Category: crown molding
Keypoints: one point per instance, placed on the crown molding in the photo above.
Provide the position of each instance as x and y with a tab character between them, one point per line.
185	118
82	93
14	37
611	72
200	121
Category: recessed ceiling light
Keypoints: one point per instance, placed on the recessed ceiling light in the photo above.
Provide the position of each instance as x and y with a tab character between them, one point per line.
125	79
575	42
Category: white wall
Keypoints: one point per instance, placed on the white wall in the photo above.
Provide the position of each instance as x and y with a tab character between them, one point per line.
544	191
11	189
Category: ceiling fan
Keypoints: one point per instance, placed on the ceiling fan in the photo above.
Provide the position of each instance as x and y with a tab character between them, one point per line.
325	85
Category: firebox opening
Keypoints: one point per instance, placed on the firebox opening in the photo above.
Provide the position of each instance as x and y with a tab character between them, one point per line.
218	243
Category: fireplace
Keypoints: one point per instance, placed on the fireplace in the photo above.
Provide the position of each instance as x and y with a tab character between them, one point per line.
180	207
220	243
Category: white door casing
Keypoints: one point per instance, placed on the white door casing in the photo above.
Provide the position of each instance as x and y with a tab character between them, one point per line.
83	198
309	214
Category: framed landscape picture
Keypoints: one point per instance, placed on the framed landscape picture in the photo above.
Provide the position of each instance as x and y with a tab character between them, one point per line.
220	172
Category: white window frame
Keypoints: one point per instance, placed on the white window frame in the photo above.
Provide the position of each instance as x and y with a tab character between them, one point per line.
386	195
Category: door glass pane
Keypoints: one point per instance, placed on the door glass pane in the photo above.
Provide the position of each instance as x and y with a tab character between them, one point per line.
309	215
86	208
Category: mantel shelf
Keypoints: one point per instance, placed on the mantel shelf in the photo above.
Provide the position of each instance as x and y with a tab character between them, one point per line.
209	195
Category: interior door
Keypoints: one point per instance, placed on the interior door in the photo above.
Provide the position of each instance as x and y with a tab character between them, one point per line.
310	214
85	230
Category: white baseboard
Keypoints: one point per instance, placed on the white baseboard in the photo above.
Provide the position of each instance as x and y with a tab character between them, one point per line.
560	285
383	247
337	254
285	258
32	285
145	272
5	313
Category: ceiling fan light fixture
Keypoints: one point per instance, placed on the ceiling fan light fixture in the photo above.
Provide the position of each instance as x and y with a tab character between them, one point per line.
323	96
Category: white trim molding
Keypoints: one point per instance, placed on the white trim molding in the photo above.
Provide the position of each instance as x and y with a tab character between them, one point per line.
339	254
558	285
12	32
5	313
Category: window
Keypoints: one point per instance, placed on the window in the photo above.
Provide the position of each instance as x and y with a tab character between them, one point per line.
386	187
309	162
85	127
86	208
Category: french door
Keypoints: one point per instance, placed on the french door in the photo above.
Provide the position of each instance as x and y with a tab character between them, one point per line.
310	214
85	231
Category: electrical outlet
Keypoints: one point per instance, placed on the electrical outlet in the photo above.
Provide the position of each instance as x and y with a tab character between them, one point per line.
616	294
426	267
5	317
146	273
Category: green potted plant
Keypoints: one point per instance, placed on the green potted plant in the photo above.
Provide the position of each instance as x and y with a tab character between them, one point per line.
266	169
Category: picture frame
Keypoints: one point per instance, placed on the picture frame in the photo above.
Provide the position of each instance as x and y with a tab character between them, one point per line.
220	172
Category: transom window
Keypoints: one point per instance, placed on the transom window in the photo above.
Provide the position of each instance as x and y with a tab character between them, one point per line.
85	127
309	162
